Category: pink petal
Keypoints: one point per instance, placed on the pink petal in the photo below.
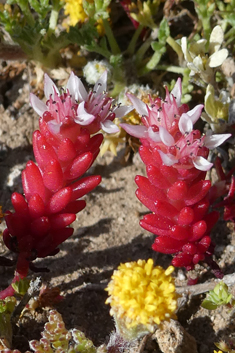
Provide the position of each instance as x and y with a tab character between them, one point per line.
154	135
83	118
177	91
123	110
138	131
49	87
109	127
166	137
185	124
140	106
195	113
167	159
76	88
202	164
54	127
101	84
215	140
39	106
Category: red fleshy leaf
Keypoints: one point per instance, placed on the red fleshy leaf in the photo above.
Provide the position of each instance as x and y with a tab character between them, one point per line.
79	166
33	182
186	216
165	209
75	206
43	151
53	176
200	209
182	260
152	192
177	191
59	200
180	233
167	245
154	230
156	178
198	230
40	227
84	186
197	192
36	207
20	205
61	220
66	151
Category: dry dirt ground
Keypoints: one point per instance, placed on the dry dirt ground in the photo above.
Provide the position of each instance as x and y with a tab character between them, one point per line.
106	233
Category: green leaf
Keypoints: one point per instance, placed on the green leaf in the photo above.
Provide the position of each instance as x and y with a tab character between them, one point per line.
164	31
207	304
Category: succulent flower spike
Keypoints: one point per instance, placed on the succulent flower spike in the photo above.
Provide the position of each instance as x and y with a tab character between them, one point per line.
174	190
64	150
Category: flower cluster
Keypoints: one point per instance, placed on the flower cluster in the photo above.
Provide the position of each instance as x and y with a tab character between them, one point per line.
141	294
64	150
199	62
175	189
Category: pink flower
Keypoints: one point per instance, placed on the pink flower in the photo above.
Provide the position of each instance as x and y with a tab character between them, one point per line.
64	150
175	189
168	125
93	110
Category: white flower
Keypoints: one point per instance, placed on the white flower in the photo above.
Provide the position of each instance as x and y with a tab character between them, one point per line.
198	61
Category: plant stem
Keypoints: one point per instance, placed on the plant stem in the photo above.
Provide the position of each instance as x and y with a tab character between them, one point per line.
171	68
53	20
112	41
131	46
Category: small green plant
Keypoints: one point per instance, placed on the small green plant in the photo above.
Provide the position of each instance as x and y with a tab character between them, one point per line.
56	338
218	296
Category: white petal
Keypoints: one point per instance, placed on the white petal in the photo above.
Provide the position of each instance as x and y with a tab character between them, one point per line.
109	127
139	131
185	124
166	137
216	39
83	118
215	140
123	110
101	84
154	135
195	113
139	106
177	91
39	106
167	159
218	58
202	164
187	56
49	87
76	88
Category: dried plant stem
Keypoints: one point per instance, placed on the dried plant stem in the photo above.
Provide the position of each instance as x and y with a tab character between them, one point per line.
11	52
205	287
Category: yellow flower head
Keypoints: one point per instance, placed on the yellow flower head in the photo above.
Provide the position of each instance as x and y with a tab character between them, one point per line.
141	294
75	10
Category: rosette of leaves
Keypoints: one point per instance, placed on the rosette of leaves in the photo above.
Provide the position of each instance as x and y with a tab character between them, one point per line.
218	296
56	338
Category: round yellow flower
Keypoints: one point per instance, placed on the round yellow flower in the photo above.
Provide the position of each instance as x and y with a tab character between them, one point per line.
141	294
75	10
